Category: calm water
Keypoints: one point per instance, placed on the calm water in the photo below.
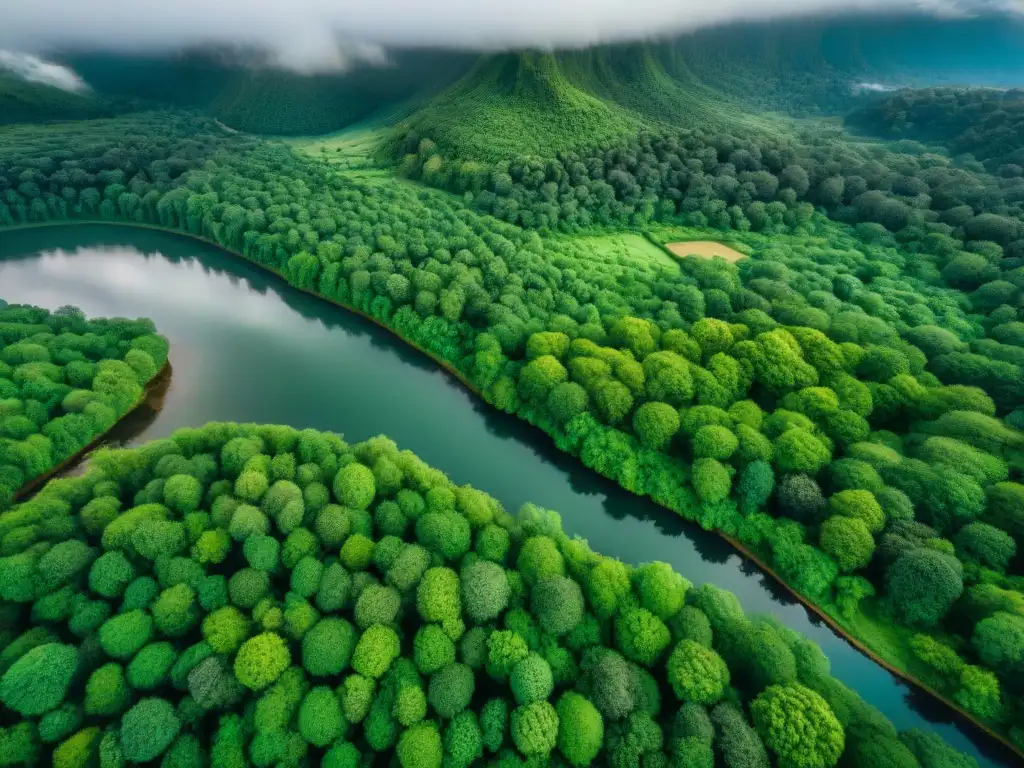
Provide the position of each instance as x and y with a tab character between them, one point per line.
245	347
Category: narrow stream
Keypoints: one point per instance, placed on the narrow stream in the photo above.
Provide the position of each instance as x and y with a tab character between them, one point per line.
246	347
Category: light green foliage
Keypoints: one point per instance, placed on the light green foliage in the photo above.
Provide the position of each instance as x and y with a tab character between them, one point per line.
261	660
798	725
378	646
697	674
848	540
531	679
535	728
641	636
151	666
656	424
485	590
861	505
661	589
106	691
354	486
420	747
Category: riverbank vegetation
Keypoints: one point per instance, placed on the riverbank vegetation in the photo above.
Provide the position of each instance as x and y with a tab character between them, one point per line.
65	380
846	403
242	594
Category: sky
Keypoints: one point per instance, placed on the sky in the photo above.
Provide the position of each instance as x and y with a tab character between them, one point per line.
326	35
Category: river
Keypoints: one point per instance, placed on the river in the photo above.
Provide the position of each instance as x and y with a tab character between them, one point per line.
246	347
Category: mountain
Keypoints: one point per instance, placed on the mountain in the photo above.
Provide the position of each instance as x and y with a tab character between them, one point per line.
28	102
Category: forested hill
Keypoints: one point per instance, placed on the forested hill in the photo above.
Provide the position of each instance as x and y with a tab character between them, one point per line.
22	101
985	122
802	67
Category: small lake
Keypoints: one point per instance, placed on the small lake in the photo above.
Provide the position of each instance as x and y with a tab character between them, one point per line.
246	347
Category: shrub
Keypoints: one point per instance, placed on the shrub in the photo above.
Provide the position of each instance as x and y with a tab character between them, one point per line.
377	604
420	747
662	590
261	660
860	505
106	691
122	635
711	480
985	544
714	442
151	666
655	424
463	741
539	558
923	585
641	636
848	541
433	649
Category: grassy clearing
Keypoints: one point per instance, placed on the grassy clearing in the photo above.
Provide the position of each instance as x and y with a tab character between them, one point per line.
626	246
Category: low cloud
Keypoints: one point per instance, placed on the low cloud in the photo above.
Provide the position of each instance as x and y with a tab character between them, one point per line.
322	35
37	70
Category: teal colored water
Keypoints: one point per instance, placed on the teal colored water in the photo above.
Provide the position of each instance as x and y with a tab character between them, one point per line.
246	347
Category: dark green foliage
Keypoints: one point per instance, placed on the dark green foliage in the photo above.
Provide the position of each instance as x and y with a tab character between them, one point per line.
923	585
147	729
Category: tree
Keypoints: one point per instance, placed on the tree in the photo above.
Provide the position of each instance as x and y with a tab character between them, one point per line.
531	679
580	729
38	681
535	728
848	540
450	690
697	674
662	590
923	585
261	660
148	729
799	726
655	424
355	486
557	602
999	641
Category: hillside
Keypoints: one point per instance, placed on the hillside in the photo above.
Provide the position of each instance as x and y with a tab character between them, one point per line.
25	102
985	122
269	101
516	104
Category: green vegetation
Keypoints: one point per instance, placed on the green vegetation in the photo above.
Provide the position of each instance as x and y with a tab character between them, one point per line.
25	102
128	635
847	403
985	123
64	380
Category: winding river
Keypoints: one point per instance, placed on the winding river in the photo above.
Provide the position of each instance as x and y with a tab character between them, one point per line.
246	347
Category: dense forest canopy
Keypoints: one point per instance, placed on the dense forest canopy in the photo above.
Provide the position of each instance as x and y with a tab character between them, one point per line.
65	380
846	402
242	594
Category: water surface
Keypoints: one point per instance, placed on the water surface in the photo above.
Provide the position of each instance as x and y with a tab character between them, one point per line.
246	347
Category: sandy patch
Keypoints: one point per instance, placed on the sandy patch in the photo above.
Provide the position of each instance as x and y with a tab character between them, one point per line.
705	249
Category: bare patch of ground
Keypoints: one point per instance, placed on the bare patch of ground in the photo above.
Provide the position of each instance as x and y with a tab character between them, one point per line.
705	249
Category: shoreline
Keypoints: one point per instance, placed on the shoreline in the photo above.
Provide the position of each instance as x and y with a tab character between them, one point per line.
34	485
740	548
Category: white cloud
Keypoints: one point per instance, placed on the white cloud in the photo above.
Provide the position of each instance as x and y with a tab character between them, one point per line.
37	70
305	34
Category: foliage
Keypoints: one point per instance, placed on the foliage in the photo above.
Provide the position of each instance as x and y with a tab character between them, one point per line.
437	681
